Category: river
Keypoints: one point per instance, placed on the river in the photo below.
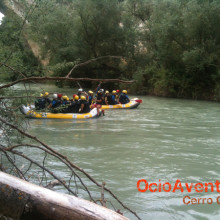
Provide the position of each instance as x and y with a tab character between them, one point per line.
161	141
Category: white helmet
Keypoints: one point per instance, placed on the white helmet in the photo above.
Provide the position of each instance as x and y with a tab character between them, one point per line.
80	90
55	96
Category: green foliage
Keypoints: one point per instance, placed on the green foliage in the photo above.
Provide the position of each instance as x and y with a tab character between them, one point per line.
183	41
171	47
15	50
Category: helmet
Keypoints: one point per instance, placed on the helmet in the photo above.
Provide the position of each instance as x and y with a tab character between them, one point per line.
113	92
46	93
106	92
80	90
117	90
55	96
41	95
124	91
83	97
65	97
90	92
59	96
76	97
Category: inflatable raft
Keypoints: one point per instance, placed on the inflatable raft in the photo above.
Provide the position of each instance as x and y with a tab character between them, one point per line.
134	103
30	112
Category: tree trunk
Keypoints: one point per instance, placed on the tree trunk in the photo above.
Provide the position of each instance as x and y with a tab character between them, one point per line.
23	200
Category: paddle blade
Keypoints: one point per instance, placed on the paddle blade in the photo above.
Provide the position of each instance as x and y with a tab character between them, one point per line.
138	100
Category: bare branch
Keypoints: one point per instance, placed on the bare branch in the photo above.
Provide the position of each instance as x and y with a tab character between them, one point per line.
90	61
14	70
16	97
65	159
64	78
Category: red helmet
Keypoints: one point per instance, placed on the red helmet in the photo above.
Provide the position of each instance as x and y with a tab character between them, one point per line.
74	95
59	96
117	90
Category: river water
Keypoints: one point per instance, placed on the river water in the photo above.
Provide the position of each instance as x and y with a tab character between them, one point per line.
161	141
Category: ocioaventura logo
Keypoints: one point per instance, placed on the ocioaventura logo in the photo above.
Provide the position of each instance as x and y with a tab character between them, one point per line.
143	186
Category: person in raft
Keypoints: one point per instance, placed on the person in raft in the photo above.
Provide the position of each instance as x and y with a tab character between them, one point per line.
117	95
65	104
90	98
114	97
39	103
43	102
123	99
108	98
74	105
84	105
100	97
81	92
56	102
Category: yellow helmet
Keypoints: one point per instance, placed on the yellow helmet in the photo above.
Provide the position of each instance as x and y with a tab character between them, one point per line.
76	97
41	95
65	97
106	92
83	97
46	93
90	92
124	91
113	92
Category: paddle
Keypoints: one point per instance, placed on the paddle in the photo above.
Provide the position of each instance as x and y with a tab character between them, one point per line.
138	100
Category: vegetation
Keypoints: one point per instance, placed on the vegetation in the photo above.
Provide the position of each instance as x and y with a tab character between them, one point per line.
171	47
15	51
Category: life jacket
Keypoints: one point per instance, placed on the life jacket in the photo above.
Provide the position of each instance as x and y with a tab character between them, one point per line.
90	100
65	102
76	107
100	99
40	104
56	103
114	101
86	107
47	101
109	99
71	108
123	98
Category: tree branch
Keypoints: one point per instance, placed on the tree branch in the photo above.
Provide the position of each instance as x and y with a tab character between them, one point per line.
64	78
90	61
67	160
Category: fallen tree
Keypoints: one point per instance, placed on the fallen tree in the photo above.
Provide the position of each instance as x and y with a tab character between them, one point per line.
23	200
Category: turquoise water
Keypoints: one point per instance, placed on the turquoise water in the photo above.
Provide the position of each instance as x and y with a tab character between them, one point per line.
163	139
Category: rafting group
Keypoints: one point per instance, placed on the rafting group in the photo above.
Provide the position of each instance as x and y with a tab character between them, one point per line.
82	102
82	105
